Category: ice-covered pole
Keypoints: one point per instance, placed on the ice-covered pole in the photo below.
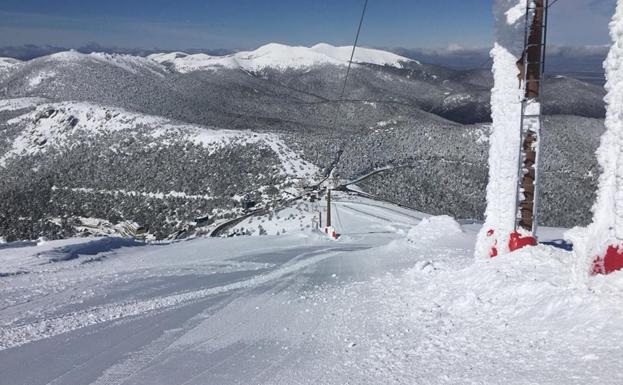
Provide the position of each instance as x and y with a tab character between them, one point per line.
504	141
601	243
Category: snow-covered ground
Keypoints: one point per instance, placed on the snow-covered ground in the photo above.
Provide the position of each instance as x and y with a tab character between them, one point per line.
398	299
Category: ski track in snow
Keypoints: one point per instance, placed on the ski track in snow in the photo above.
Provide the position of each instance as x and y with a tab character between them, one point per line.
19	335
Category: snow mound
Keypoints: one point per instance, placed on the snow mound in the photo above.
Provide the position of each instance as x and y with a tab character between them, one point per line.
434	228
280	57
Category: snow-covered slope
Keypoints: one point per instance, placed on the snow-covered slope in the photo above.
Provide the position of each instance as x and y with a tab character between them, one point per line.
377	307
7	65
53	124
281	57
6	62
56	71
129	63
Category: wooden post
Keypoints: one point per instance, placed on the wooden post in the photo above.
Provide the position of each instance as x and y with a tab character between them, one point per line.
531	67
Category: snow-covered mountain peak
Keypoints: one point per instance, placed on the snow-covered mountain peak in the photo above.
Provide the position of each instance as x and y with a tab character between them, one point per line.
127	62
280	57
8	62
363	55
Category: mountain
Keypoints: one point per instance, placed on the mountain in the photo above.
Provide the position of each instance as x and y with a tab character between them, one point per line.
279	56
123	138
7	65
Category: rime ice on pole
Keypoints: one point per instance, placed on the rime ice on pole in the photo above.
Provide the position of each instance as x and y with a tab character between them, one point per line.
600	245
506	98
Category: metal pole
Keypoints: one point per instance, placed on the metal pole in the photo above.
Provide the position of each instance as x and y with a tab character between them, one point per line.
328	208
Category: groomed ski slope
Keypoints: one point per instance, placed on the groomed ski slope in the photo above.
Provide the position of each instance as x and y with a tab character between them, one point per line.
400	299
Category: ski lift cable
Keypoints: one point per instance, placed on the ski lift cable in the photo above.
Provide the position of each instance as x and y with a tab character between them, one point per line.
352	53
552	3
350	61
343	91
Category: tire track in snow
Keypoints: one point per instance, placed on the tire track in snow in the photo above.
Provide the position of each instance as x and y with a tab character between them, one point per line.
22	334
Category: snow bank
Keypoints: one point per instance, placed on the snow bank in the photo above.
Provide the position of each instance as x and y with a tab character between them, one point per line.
506	115
607	226
434	228
281	57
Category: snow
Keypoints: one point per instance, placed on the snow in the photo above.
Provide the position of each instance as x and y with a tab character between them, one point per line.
505	134
20	103
516	13
41	133
280	57
348	218
434	228
170	194
607	226
40	77
363	55
398	299
7	66
129	63
7	63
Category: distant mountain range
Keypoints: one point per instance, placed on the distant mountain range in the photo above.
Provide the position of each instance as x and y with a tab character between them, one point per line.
584	62
170	138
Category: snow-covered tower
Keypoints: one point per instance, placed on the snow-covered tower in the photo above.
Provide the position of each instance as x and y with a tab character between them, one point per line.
515	110
600	246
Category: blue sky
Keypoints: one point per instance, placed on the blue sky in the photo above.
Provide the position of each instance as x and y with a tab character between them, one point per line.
242	24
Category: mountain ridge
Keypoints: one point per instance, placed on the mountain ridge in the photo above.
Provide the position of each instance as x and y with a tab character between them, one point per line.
281	57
